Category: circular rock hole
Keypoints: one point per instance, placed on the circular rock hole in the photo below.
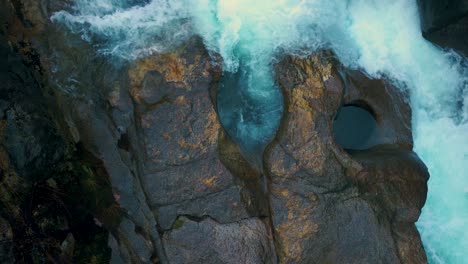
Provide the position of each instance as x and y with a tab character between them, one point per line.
355	128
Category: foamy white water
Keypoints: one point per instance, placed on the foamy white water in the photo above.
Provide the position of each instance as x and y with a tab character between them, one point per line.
381	37
128	31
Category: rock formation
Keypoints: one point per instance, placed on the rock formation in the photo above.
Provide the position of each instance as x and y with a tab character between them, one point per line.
445	23
330	206
129	163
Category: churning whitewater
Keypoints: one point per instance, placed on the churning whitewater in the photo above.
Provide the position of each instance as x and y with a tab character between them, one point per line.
380	37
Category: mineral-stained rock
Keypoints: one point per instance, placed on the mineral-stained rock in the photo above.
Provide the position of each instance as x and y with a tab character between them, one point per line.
151	130
182	174
396	182
150	172
332	206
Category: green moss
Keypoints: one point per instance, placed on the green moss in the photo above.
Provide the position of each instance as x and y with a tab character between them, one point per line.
178	223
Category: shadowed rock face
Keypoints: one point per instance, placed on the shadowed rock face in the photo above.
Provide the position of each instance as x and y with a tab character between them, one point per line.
174	186
452	36
445	23
437	14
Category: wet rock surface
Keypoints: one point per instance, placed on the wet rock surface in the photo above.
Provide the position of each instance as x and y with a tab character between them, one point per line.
452	36
136	154
178	130
436	14
445	23
329	205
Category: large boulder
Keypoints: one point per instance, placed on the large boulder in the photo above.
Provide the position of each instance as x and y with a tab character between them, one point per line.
334	206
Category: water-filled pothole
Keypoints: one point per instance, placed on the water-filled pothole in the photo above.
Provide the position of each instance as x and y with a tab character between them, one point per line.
250	106
355	128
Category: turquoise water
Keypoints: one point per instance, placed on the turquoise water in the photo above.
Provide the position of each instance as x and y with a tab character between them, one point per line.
381	37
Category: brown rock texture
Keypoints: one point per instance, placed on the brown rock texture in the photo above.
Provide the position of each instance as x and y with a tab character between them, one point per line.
331	206
149	175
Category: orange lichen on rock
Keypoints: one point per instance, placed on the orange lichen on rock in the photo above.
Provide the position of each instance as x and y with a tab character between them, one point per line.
181	100
175	68
298	227
314	72
212	128
210	182
209	137
170	65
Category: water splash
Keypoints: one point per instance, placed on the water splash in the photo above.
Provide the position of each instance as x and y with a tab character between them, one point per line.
128	29
382	37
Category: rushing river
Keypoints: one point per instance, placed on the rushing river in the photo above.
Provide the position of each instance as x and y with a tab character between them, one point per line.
380	37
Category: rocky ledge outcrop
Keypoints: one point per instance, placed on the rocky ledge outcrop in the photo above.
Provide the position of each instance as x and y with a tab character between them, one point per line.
137	168
333	206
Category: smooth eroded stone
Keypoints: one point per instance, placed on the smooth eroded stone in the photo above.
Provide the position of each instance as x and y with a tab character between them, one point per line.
329	205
